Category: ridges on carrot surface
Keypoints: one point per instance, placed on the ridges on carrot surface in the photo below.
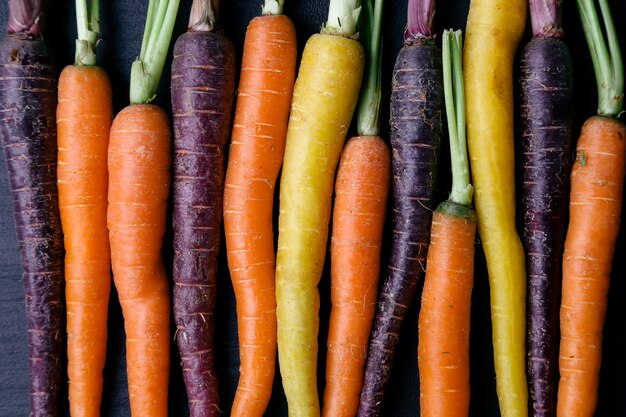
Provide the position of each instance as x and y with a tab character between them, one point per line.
256	155
84	116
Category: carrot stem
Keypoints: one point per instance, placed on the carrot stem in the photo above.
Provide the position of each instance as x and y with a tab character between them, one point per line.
272	7
203	16
25	17
146	70
607	62
368	112
545	16
88	24
419	19
454	91
343	18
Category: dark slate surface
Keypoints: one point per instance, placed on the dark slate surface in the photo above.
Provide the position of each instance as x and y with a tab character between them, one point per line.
122	23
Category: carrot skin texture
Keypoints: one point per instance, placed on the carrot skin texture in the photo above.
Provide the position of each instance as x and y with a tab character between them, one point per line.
546	95
28	93
84	116
494	29
323	103
444	321
139	162
203	84
256	155
417	102
597	184
361	197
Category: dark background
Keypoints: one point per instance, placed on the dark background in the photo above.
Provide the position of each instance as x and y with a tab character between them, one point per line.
122	24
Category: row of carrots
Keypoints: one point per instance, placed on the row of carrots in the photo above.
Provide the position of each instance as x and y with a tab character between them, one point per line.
114	176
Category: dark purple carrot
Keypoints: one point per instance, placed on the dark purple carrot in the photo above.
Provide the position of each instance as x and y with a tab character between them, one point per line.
28	98
546	94
203	88
417	102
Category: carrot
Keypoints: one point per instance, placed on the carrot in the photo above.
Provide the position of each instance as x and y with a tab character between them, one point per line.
444	321
361	190
139	180
416	119
494	29
597	184
256	154
84	116
324	98
203	86
28	98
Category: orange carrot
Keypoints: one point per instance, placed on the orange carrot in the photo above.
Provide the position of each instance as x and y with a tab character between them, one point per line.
444	321
597	185
139	182
361	195
84	116
256	154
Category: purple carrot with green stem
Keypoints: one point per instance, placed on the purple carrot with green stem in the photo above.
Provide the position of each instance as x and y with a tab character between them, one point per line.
546	97
417	107
203	88
28	98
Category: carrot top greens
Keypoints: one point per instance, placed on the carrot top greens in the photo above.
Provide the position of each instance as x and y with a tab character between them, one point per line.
368	112
25	17
88	23
343	18
203	16
419	19
607	62
146	71
452	50
545	16
273	7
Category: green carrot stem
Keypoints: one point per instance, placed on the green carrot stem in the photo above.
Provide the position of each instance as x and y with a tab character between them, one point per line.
420	15
273	7
454	92
203	16
88	24
25	17
146	70
545	16
343	18
368	111
607	62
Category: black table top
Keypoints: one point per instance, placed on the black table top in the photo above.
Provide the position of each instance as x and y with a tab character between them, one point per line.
122	24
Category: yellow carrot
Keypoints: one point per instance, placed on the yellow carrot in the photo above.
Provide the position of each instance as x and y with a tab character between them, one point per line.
325	95
494	29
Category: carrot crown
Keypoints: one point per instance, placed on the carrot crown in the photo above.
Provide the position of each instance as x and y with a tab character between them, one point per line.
25	17
146	71
607	62
368	113
88	24
545	16
454	91
272	7
419	19
343	18
203	16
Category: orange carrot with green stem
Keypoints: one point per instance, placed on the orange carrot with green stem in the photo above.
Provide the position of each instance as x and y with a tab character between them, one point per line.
444	321
84	116
268	71
597	186
139	161
361	191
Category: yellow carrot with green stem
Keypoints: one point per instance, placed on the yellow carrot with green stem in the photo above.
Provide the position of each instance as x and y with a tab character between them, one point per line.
494	29
324	98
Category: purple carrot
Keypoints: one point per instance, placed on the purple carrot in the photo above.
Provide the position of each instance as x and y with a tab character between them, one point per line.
546	89
28	98
203	88
417	108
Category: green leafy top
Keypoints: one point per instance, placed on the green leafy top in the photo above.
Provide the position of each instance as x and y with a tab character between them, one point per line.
273	7
343	18
88	24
